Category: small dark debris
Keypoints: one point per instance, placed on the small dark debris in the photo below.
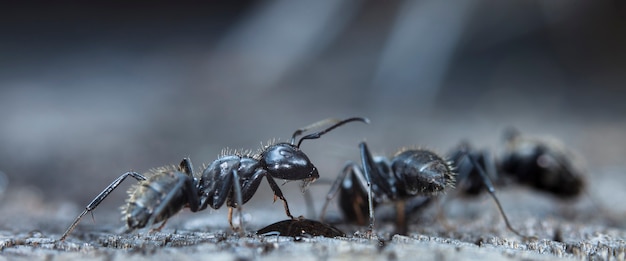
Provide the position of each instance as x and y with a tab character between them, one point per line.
301	228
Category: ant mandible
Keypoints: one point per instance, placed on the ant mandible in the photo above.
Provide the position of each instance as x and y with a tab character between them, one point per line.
169	189
410	173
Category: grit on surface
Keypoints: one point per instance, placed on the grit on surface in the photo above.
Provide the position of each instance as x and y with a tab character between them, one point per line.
470	230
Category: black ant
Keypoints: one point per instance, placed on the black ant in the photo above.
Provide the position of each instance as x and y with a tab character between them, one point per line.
545	165
231	179
409	174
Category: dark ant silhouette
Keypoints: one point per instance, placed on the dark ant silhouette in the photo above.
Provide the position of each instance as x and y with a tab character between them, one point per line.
301	227
231	179
409	174
543	165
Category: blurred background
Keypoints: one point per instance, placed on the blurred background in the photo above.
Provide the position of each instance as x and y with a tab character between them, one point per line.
90	91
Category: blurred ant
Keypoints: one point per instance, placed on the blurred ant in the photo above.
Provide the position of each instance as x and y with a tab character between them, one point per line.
231	178
409	174
544	165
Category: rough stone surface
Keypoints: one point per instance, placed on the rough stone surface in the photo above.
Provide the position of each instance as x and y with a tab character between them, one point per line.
90	91
470	229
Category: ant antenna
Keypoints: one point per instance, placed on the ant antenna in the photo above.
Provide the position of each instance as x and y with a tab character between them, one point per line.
317	135
299	132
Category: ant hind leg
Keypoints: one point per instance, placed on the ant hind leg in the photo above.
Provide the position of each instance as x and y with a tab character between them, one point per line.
100	197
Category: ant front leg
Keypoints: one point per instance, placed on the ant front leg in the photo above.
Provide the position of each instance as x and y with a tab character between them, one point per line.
239	201
100	197
250	184
278	194
356	185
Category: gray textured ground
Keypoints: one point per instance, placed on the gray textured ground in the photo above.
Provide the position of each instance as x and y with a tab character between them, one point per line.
90	91
472	230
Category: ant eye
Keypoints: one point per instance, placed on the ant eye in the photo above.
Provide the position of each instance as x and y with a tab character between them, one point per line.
286	153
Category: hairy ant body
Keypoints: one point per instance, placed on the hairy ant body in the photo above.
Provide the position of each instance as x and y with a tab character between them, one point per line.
231	179
409	174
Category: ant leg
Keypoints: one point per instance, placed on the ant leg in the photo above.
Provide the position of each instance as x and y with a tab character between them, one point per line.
186	184
402	226
230	218
334	189
368	163
278	194
239	201
160	227
492	192
100	197
490	165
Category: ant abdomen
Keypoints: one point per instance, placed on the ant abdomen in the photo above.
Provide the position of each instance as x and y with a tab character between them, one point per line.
421	172
146	197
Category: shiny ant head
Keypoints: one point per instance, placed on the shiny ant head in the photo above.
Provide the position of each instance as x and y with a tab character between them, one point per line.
287	161
422	172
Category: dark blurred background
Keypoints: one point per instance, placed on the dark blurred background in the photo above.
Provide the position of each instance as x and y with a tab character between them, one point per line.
91	90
